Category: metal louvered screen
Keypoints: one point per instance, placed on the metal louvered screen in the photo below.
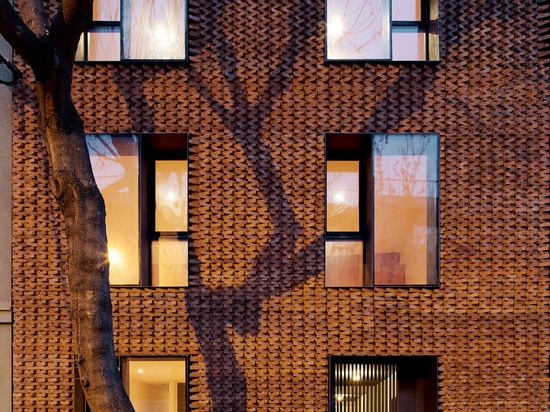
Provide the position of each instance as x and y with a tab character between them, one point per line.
365	387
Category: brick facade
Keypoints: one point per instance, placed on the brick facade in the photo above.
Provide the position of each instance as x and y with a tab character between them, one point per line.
256	320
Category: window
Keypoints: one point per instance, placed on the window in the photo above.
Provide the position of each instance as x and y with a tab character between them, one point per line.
152	383
143	180
135	30
383	384
156	384
382	195
398	30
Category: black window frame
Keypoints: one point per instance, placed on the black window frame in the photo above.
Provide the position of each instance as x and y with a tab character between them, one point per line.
124	359
359	147
417	378
98	26
429	22
80	403
152	147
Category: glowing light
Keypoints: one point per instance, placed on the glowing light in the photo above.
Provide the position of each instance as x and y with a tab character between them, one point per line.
339	397
171	196
339	197
114	257
140	370
336	27
356	377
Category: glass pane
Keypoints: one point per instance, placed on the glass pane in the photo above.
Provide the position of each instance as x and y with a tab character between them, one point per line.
365	387
342	196
406	10
106	10
104	46
405	209
358	29
157	384
171	196
408	43
79	56
169	262
154	29
115	166
344	263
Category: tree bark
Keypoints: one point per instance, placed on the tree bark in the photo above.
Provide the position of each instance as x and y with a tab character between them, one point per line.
50	53
83	209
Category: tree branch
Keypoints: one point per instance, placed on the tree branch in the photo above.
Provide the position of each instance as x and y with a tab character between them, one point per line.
68	24
23	40
34	15
15	73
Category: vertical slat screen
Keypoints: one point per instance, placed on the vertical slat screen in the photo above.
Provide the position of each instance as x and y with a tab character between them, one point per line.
365	387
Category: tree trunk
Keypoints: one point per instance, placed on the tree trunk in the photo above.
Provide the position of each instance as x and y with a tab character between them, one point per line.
82	206
49	49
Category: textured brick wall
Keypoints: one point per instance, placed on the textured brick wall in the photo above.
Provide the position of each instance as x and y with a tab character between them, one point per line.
257	322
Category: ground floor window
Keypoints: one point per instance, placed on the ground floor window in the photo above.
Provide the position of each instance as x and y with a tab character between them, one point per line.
154	384
383	384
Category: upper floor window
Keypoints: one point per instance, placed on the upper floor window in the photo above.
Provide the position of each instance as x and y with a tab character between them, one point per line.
397	30
383	383
143	180
382	196
135	30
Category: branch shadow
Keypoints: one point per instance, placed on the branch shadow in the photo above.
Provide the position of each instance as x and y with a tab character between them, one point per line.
240	306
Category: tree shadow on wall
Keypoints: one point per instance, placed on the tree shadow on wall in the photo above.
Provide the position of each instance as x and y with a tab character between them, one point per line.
240	306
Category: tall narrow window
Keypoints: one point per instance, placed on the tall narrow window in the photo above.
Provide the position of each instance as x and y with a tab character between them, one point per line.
143	180
383	384
168	237
382	208
115	163
135	30
398	30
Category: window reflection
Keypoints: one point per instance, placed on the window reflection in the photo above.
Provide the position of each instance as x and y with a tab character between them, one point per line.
344	263
115	167
171	195
154	29
169	264
104	46
409	44
361	30
106	10
342	196
406	10
358	29
405	201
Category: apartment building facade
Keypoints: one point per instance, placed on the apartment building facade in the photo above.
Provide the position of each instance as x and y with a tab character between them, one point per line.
311	205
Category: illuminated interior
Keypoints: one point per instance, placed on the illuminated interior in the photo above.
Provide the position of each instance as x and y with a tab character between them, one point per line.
396	241
156	384
365	387
342	196
344	263
171	195
168	253
405	201
115	167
